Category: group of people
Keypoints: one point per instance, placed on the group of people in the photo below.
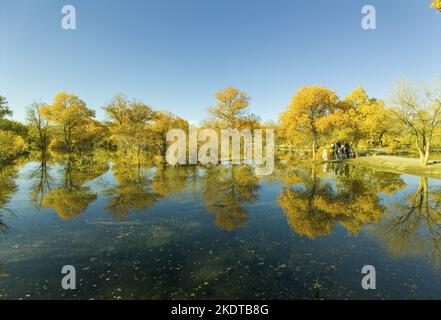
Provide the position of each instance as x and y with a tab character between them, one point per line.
337	151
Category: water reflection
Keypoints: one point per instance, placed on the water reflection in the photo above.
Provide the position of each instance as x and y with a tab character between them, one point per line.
131	191
177	250
8	175
41	182
70	196
8	187
314	204
226	191
414	225
314	199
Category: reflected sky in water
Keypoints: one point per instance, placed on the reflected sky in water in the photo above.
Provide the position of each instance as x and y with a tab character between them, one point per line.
161	232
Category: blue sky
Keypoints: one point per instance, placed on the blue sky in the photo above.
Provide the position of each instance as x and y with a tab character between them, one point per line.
175	54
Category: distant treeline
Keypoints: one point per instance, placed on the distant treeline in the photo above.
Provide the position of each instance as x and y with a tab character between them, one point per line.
315	118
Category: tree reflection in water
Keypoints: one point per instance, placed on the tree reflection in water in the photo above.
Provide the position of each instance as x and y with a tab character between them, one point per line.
132	190
71	197
315	199
413	226
41	182
225	192
315	203
8	187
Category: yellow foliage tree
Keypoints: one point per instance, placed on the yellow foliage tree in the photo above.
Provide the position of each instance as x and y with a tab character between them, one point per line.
361	118
420	114
71	118
130	124
437	5
230	107
304	122
39	133
11	145
165	121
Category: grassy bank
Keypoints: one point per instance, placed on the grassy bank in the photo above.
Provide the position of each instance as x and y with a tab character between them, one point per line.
399	165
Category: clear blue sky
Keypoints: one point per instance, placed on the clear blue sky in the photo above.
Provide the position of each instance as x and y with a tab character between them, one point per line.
176	54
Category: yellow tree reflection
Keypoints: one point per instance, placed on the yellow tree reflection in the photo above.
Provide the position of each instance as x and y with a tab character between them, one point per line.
413	227
168	180
316	205
41	182
8	174
132	190
226	190
71	197
298	204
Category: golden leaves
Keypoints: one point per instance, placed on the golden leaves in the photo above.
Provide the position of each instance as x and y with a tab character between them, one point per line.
436	4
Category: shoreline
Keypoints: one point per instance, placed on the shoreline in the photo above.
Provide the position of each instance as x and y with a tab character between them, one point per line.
396	164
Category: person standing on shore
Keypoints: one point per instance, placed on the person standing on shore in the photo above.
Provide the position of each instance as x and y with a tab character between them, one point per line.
347	150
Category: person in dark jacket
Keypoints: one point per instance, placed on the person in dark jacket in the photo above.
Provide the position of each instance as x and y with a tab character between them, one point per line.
347	150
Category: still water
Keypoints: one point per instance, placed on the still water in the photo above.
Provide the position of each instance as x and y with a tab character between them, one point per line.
159	232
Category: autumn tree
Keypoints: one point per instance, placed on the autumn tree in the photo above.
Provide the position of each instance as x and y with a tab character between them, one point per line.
304	122
72	120
130	124
165	121
230	107
360	118
12	134
420	113
437	5
11	145
38	127
15	127
10	125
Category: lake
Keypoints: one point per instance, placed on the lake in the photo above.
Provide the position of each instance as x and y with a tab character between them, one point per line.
220	232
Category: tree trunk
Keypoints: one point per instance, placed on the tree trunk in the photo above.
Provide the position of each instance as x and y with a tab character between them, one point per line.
421	196
138	156
313	150
356	152
424	153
